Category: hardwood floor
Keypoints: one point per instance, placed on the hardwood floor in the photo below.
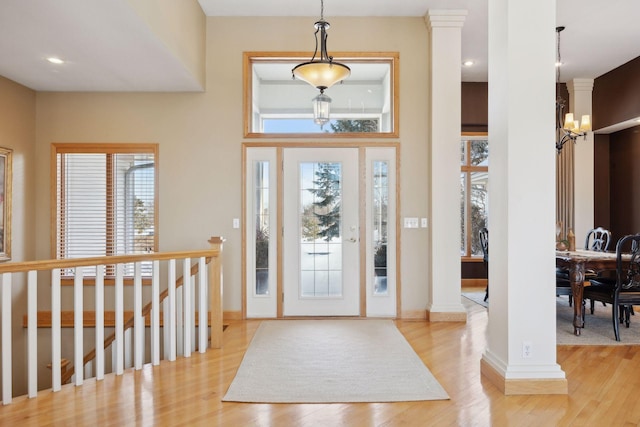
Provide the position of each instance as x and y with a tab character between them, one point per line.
603	390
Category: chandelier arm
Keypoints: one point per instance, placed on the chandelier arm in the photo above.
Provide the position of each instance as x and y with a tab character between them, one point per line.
315	35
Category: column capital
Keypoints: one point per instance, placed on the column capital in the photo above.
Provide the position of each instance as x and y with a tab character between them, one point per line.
580	85
445	18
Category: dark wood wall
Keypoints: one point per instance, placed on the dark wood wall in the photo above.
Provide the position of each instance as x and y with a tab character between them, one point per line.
624	152
616	95
616	98
601	193
475	107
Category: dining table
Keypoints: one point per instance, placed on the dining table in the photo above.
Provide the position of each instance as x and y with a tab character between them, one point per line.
577	262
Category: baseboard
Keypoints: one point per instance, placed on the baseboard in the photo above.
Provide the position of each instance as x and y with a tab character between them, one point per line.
474	283
511	387
232	315
413	315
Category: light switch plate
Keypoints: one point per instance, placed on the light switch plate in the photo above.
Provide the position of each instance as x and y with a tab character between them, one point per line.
411	223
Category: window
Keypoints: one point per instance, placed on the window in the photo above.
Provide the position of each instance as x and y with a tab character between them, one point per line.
474	203
277	105
105	202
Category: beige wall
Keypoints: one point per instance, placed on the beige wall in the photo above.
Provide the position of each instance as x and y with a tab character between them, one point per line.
181	27
17	132
200	136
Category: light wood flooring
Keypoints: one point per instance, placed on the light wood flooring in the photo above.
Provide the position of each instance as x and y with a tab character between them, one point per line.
604	390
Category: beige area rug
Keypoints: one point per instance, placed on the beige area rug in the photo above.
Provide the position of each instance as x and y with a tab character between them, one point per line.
331	361
598	327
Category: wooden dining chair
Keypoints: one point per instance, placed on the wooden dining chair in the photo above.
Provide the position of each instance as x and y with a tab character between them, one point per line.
624	292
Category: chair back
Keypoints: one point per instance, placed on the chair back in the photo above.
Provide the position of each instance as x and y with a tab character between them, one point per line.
628	269
484	243
598	240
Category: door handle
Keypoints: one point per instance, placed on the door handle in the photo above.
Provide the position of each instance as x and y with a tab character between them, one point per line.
353	240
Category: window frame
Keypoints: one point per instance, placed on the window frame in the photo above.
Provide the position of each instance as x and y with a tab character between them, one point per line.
101	148
392	58
467	169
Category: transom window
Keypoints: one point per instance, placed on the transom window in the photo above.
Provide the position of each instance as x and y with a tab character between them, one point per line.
474	202
277	105
105	202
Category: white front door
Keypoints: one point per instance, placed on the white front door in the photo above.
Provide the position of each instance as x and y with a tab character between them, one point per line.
321	232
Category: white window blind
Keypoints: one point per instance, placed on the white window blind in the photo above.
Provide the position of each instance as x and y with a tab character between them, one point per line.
105	203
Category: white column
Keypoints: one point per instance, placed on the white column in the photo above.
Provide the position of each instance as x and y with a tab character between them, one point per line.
580	96
445	89
521	336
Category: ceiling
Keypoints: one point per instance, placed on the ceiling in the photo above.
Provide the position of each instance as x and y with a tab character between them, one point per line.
108	47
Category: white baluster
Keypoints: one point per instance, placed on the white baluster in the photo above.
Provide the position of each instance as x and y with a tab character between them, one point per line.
56	343
138	320
119	320
5	282
202	299
179	322
78	326
165	328
172	310
99	302
155	314
32	332
186	285
114	356
192	317
127	349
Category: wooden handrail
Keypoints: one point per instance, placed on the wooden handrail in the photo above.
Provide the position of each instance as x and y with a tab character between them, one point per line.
21	267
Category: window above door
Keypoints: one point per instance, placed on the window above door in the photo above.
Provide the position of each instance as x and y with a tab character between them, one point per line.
363	105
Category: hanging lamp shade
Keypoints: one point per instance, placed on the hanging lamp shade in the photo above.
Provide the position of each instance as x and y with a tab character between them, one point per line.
323	72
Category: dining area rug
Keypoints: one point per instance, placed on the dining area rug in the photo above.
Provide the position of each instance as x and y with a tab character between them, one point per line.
331	361
598	327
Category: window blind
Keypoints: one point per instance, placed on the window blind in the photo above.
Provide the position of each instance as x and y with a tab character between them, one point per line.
105	204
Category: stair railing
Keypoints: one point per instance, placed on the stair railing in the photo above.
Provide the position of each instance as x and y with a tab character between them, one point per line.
209	298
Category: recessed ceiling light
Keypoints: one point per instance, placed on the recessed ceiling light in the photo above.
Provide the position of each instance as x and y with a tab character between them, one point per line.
55	60
467	63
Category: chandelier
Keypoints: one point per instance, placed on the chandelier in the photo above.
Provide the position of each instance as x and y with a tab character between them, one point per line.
570	129
322	72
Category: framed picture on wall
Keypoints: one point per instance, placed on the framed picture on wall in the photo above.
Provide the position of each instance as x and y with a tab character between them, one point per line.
5	203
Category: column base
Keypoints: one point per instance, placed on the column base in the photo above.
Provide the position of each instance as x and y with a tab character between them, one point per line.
446	316
520	386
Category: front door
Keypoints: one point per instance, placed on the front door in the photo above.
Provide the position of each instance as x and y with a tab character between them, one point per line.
321	232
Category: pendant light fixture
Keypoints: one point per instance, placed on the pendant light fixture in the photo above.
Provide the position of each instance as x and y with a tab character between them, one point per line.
571	129
321	108
322	72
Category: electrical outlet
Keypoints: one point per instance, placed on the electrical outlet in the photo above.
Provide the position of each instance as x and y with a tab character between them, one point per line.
526	350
